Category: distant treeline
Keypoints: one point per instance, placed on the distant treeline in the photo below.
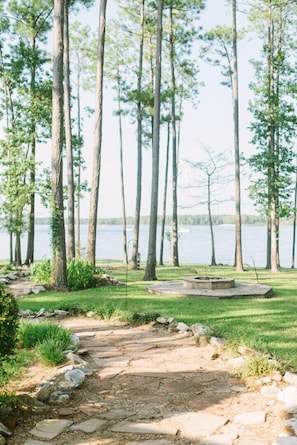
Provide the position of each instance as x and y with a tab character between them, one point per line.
183	220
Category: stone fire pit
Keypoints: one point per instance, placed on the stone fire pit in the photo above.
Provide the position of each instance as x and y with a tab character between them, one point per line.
208	282
211	286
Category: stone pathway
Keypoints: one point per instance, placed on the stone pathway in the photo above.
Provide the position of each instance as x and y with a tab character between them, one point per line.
153	387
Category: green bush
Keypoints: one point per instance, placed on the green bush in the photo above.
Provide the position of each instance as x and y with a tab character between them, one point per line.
9	321
50	352
80	275
41	272
50	340
32	334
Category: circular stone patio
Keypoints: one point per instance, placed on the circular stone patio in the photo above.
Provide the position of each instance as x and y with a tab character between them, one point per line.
240	290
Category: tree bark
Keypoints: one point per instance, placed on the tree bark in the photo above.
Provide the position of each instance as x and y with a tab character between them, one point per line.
92	232
58	227
139	146
238	240
150	271
68	140
175	258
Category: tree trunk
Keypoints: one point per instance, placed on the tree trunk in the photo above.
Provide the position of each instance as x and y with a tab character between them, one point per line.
175	259
213	255
68	139
163	222
238	241
78	170
31	222
92	232
139	146
150	271
58	227
294	225
124	219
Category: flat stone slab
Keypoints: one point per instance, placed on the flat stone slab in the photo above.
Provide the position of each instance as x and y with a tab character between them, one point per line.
144	428
89	426
50	428
36	442
253	418
241	290
195	425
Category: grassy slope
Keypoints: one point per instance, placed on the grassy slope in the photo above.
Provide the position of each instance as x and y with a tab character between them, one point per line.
269	325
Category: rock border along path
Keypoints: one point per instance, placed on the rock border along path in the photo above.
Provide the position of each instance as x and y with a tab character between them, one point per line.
152	385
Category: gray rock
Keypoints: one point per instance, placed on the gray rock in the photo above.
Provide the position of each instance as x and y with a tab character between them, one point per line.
41	312
74	358
288	395
75	378
60	397
2	440
253	418
50	428
288	440
4	431
291	378
161	320
61	313
27	313
218	342
182	327
44	391
292	423
38	289
270	392
200	330
90	426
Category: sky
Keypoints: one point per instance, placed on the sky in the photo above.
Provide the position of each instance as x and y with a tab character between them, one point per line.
210	125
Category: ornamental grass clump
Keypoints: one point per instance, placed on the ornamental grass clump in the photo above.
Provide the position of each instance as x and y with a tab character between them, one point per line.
50	340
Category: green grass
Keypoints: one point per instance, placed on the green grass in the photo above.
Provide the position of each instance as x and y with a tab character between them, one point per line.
269	325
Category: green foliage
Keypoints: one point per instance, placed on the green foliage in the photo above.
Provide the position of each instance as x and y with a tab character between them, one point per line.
143	317
31	334
41	272
12	366
80	275
9	320
257	366
50	352
50	340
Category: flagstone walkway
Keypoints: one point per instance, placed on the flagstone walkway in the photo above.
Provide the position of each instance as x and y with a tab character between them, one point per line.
153	387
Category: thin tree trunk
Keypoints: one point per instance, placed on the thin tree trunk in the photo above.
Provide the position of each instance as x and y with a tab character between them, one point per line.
175	259
163	222
78	183
68	139
213	255
238	241
58	226
31	216
294	225
150	271
92	232
139	146
124	219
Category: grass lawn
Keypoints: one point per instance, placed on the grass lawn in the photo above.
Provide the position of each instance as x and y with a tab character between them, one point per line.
268	325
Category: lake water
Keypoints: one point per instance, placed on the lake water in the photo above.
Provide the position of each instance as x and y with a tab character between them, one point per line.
194	244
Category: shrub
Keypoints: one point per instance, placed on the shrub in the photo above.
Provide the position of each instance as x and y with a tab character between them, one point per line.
50	351
31	334
49	339
9	321
80	274
41	272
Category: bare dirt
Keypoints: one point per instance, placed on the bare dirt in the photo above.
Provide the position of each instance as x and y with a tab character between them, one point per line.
146	373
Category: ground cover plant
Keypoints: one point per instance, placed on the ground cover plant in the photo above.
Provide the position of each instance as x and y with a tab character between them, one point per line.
268	325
